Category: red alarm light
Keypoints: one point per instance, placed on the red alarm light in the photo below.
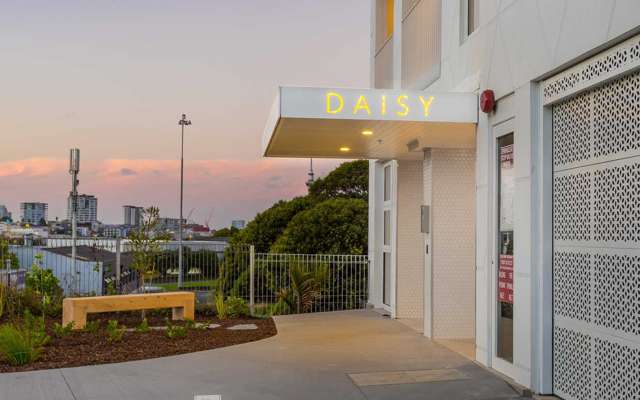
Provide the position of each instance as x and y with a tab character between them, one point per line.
487	101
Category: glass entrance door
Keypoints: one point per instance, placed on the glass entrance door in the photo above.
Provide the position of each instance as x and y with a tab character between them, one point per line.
386	237
506	185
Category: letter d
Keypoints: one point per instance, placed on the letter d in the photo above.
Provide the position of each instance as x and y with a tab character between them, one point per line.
336	110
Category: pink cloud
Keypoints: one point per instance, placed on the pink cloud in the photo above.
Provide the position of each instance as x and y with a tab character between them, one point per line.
30	167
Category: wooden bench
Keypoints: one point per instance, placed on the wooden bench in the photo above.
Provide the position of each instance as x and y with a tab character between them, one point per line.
76	308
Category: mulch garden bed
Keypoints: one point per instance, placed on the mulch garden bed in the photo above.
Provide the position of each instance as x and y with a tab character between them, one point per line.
87	348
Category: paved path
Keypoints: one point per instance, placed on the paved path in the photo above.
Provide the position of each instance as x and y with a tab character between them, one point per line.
309	359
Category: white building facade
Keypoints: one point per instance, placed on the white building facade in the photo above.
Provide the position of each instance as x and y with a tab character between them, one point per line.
533	248
513	234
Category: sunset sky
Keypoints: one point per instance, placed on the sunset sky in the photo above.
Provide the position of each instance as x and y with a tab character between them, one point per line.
113	77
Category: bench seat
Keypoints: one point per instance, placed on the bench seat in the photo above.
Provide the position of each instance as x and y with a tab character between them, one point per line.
76	308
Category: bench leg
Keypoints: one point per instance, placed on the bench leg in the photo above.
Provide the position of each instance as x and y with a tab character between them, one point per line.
187	311
73	314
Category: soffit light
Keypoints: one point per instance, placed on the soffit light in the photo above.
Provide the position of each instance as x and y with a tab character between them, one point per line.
345	149
367	132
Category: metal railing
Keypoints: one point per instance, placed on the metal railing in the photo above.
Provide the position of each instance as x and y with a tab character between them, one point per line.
105	266
346	286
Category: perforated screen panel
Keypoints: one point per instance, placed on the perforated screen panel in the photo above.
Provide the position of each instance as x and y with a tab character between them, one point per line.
596	236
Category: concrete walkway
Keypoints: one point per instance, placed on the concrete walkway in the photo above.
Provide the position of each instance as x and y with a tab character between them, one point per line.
310	358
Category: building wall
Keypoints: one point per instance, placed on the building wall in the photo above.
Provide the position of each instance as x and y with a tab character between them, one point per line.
452	184
517	44
410	255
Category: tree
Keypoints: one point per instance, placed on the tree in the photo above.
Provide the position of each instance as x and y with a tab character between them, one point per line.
145	245
305	288
350	179
268	225
336	226
226	232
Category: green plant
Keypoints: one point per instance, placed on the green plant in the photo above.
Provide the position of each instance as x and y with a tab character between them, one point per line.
237	307
143	327
175	331
221	306
3	298
92	326
61	331
114	331
306	287
20	345
46	287
7	258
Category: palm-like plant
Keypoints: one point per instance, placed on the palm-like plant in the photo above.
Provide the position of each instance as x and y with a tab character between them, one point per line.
305	287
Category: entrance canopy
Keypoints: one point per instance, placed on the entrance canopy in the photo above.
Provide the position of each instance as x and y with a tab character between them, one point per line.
367	123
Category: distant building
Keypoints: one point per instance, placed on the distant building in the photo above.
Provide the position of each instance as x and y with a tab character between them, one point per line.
238	223
4	213
87	208
132	215
116	231
196	231
170	224
34	213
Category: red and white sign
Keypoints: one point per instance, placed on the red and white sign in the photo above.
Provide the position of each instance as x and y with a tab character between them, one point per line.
505	279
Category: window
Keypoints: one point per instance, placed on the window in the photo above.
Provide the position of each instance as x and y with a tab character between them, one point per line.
387	183
387	227
469	10
389	20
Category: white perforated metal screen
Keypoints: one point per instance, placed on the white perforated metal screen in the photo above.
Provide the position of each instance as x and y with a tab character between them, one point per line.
596	239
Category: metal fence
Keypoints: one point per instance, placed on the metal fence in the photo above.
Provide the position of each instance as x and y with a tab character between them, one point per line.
105	266
346	285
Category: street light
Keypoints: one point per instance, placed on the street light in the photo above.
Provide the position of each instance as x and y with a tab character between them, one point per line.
184	121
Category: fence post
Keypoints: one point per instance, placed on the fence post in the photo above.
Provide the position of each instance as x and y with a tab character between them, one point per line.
252	269
118	264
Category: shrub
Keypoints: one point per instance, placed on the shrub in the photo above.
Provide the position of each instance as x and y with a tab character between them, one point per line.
42	280
175	331
221	306
237	307
114	331
3	298
20	345
61	331
91	326
143	327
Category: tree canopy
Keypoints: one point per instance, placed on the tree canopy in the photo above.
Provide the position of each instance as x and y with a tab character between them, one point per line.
265	228
332	218
336	226
350	179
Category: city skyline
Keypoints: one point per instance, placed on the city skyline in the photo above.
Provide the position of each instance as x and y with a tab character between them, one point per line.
117	95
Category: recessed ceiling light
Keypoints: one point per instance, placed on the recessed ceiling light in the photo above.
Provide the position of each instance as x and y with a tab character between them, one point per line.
367	132
345	149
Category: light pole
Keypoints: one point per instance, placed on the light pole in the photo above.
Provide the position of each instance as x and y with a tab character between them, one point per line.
74	169
184	121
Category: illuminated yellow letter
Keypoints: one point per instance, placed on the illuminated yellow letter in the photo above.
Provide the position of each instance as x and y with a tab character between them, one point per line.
426	104
383	106
340	103
361	105
405	108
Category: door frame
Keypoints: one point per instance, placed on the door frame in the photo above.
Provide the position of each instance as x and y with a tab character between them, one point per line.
499	129
391	206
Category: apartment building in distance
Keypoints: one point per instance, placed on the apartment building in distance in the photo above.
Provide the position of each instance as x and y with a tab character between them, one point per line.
87	206
132	215
34	213
504	147
4	213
